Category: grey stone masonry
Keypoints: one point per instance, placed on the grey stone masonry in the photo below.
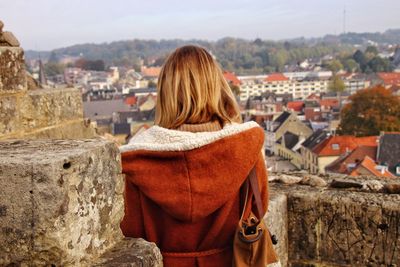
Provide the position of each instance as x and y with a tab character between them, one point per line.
131	252
61	201
349	222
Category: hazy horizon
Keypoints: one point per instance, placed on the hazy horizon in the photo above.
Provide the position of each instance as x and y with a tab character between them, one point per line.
50	24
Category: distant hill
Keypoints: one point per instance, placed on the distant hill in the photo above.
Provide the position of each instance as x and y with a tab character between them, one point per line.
391	36
234	54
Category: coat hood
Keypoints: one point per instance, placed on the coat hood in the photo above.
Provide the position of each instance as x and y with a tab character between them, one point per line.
191	175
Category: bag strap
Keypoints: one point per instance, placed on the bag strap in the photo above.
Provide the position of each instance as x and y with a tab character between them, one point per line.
256	192
251	182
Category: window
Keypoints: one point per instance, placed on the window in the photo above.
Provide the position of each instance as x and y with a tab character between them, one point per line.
335	146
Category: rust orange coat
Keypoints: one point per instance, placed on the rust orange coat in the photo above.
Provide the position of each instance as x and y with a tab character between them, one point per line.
182	190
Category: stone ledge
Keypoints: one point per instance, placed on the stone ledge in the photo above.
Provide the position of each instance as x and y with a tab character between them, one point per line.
131	252
338	227
61	201
71	129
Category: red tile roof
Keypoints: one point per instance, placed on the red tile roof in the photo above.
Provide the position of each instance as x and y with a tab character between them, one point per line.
367	141
335	146
338	145
355	157
329	103
295	105
231	78
131	100
370	165
313	96
390	78
276	77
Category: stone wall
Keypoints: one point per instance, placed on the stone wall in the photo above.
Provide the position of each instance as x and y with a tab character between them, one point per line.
40	113
348	222
61	202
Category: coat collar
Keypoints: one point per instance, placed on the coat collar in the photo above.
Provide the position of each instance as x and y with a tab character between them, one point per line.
157	138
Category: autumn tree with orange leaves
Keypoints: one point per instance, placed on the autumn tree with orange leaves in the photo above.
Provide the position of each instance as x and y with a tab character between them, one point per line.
370	111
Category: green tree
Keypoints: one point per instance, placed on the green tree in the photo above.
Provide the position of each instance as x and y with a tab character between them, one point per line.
378	64
359	57
371	111
52	68
351	65
371	50
335	66
337	85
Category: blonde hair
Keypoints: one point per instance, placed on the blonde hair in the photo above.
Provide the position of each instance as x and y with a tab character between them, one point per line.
192	89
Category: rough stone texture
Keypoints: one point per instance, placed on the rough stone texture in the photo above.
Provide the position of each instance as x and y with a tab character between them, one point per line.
60	201
131	252
12	70
338	227
8	39
276	221
48	107
43	113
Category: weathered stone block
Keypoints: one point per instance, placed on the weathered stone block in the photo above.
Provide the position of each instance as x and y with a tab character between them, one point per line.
60	201
12	69
131	252
276	221
43	113
46	107
345	228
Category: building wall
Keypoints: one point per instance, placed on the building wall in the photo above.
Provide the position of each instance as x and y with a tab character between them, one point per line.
325	161
293	157
298	89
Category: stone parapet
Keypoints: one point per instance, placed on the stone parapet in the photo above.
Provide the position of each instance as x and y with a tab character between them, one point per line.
43	113
357	224
61	201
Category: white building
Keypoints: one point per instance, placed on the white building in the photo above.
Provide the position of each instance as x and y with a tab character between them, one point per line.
299	84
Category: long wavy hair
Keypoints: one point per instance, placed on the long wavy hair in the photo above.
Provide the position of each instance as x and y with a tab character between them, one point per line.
191	89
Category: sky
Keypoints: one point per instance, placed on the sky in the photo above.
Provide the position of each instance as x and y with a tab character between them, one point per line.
50	24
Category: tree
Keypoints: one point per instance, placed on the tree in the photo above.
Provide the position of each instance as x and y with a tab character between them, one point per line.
335	65
336	85
378	64
351	65
370	52
371	111
359	57
52	69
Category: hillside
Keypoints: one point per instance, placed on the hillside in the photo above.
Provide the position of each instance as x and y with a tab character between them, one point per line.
239	55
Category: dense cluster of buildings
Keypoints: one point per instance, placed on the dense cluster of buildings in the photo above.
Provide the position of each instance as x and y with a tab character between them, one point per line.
300	117
297	110
302	84
321	151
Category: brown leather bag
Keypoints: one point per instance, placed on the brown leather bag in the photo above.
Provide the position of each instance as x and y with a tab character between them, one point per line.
252	245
